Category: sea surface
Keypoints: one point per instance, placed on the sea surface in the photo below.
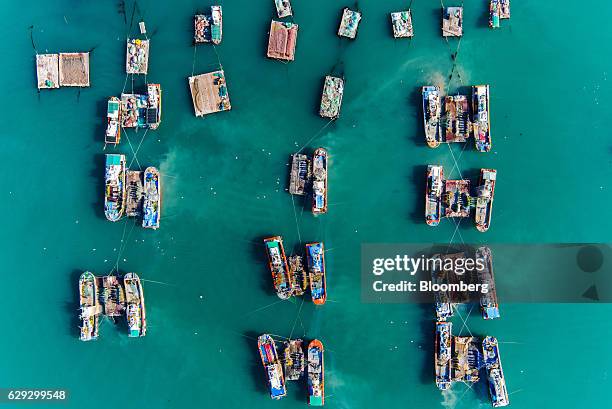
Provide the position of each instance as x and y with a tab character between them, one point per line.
208	291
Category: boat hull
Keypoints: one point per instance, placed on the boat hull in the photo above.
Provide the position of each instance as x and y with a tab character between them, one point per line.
277	262
316	373
315	254
432	111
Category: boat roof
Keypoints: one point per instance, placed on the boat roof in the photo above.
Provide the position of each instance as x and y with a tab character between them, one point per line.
114	159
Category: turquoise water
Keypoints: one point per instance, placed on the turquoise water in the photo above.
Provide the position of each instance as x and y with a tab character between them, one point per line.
207	287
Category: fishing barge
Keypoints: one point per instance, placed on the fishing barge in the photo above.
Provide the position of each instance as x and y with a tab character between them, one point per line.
294	360
482	122
134	193
151	207
316	374
209	93
47	71
402	24
466	360
457	198
135	306
484	199
300	174
442	355
319	184
283	8
488	302
113	297
281	275
504	10
432	111
452	21
349	23
282	40
114	187
88	297
315	254
142	111
300	281
113	118
433	194
457	109
208	28
495	374
272	365
74	69
331	98
137	56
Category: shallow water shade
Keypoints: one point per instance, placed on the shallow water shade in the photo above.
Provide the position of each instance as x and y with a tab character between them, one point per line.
208	291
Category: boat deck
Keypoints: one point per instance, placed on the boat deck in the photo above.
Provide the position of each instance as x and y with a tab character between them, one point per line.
47	71
452	22
402	24
113	296
457	111
457	193
137	56
282	40
349	23
134	193
209	93
74	69
300	174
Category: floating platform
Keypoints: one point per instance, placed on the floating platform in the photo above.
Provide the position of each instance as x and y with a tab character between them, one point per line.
112	296
331	98
209	93
300	174
457	112
452	21
142	110
134	193
282	40
283	8
442	354
349	23
402	24
457	198
47	71
137	56
74	69
208	28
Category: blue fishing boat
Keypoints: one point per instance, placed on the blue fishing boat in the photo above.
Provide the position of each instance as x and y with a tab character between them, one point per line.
151	206
316	373
272	365
432	112
114	187
495	374
316	271
433	194
442	355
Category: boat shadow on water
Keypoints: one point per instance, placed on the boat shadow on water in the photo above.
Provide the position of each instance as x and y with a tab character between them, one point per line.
259	258
97	174
74	304
100	129
426	339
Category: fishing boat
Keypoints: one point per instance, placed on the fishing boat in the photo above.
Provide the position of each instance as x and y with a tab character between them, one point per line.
444	308
208	28
88	297
299	277
113	116
495	374
433	194
488	302
457	109
281	276
316	374
331	97
151	205
316	271
432	111
494	13
349	23
442	355
484	199
217	24
504	9
272	365
283	8
114	183
154	100
294	359
481	124
300	174
319	183
135	311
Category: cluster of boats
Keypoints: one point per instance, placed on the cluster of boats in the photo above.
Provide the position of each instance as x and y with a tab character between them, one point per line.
460	359
109	296
208	28
498	10
452	198
141	196
446	302
306	173
292	367
461	119
290	278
